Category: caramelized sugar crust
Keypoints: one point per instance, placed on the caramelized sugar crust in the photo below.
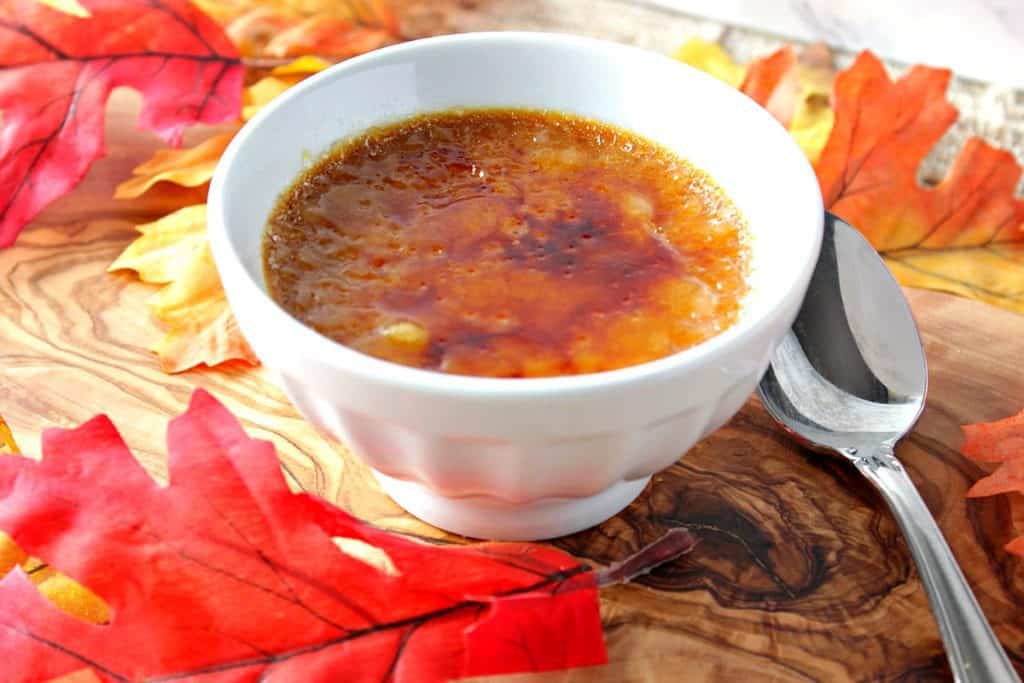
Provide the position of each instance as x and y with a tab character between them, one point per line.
508	243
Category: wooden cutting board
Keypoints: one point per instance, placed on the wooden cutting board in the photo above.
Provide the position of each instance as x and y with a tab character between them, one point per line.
800	573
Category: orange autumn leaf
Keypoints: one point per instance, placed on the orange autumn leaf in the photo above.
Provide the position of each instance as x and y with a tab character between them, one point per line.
191	306
189	167
964	235
998	441
764	75
251	31
330	36
374	13
335	30
1001	441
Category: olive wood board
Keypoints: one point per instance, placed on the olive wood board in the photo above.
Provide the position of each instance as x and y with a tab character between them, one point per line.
800	573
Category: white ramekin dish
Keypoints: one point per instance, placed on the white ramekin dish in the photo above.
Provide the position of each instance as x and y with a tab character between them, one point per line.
520	458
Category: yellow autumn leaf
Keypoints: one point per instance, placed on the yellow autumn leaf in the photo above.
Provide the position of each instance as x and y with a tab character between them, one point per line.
11	555
191	306
7	444
194	297
712	59
811	118
166	247
799	86
305	65
811	125
173	251
993	274
260	93
71	7
190	167
69	595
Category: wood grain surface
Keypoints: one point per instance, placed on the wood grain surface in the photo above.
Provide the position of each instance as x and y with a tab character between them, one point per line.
800	573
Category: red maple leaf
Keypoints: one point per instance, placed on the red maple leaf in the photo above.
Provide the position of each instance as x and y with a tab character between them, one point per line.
57	70
227	575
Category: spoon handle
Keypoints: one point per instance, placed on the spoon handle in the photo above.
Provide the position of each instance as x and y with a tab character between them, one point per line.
973	650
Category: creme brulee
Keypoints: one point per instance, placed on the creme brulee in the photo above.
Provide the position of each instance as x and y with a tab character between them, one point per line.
508	243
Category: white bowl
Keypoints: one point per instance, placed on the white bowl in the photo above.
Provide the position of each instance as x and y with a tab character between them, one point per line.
521	458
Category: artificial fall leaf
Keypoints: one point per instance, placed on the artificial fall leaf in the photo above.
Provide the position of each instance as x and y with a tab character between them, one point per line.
1003	442
963	235
251	31
799	95
174	251
57	70
793	85
190	167
7	443
194	166
200	329
59	589
764	75
323	35
711	58
371	13
260	93
302	66
998	441
235	577
335	30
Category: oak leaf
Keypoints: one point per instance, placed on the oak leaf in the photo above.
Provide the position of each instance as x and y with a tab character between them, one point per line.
174	251
1003	442
57	70
194	166
66	594
327	36
227	556
191	167
964	234
326	28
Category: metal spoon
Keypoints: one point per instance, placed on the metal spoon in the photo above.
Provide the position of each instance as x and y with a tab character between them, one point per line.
850	378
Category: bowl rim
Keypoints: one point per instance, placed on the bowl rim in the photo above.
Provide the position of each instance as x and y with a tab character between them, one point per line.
334	353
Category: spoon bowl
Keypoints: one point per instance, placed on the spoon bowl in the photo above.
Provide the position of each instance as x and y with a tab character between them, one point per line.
850	378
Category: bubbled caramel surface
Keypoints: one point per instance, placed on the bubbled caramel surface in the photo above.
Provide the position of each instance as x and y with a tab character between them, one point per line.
507	243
